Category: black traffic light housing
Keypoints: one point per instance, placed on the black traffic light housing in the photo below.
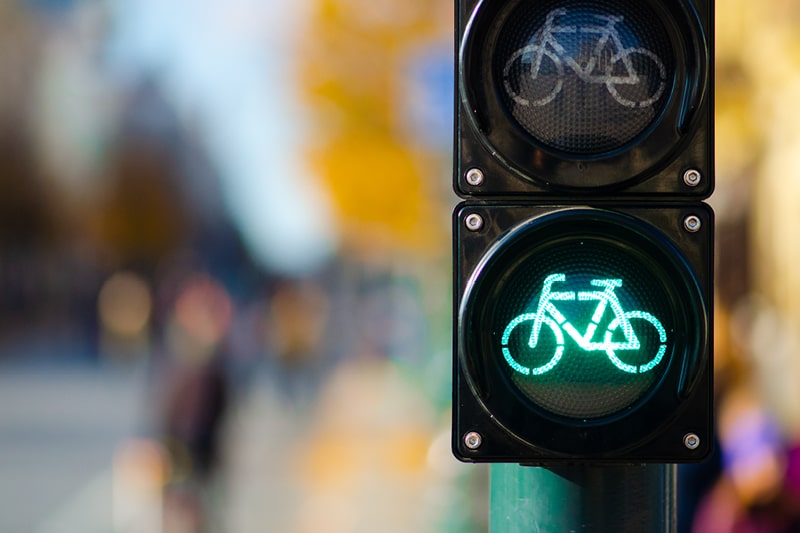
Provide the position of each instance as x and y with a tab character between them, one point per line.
655	151
583	251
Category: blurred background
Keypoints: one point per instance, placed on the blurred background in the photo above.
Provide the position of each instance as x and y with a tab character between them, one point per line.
225	269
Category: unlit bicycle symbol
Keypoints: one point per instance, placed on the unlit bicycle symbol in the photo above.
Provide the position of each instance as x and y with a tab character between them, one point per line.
614	71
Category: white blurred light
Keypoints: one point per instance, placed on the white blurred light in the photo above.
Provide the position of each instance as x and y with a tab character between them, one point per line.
228	66
125	304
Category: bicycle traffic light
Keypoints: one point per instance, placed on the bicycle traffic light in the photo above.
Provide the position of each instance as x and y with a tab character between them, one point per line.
583	250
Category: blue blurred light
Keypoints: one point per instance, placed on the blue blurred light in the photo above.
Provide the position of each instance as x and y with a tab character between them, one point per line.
429	95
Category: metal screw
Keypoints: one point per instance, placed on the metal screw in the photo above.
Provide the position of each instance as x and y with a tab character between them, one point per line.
474	222
692	177
473	440
691	441
475	177
692	223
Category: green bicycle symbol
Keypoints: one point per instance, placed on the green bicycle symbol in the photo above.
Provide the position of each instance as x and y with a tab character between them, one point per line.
547	314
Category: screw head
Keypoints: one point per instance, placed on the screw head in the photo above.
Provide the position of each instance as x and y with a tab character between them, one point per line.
692	177
474	222
692	223
691	441
475	177
473	440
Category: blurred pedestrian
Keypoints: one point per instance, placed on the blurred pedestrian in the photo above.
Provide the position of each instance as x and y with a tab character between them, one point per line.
195	399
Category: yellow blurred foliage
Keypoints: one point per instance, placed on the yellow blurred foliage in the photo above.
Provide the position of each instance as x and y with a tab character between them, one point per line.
758	152
337	457
378	189
737	135
351	75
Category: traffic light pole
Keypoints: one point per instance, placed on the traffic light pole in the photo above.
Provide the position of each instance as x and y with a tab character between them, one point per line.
583	498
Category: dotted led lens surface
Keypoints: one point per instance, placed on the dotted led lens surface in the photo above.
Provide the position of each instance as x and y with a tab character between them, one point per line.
568	321
581	312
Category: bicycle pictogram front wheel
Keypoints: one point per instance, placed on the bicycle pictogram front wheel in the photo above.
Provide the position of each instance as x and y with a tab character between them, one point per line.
652	339
636	78
526	355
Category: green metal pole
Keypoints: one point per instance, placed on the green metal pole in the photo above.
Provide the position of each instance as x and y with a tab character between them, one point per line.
636	499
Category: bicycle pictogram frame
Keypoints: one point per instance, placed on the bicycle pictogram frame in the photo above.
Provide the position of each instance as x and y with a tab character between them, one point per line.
598	69
548	314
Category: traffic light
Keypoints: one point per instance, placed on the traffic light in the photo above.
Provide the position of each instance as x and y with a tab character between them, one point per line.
583	250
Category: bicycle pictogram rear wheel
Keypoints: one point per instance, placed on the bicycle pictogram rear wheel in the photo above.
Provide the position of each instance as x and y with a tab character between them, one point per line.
533	76
527	360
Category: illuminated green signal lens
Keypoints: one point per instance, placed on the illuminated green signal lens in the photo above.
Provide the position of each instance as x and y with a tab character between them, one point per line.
582	312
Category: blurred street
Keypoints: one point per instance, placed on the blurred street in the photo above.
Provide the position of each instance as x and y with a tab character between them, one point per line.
284	467
61	426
